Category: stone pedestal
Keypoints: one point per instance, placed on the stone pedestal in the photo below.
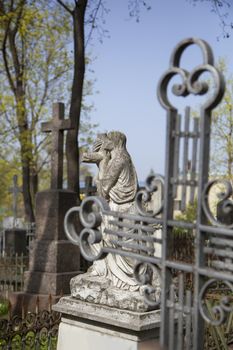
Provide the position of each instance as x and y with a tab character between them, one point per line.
91	326
53	260
15	241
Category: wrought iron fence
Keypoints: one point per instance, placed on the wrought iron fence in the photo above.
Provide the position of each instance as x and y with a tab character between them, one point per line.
30	232
12	269
219	337
34	331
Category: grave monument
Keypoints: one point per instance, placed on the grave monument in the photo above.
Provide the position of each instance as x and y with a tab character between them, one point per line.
107	304
53	260
185	307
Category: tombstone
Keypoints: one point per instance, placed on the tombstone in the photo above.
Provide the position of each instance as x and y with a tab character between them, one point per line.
15	241
53	260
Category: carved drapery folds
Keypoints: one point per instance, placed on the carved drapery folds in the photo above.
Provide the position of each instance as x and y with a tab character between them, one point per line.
129	235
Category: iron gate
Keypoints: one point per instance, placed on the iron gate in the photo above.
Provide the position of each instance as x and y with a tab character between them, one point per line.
183	305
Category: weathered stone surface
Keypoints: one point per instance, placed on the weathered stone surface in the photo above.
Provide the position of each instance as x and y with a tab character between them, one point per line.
132	321
53	259
101	327
111	281
98	290
89	289
57	126
54	256
51	207
48	283
90	336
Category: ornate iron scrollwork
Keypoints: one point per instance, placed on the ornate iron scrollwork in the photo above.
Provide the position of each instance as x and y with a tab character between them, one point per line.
144	196
91	214
190	83
219	312
144	274
223	196
33	331
194	83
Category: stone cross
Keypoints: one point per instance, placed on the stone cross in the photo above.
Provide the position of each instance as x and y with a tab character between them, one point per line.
57	127
15	190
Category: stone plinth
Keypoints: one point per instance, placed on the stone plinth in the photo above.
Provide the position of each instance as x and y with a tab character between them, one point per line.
92	326
53	260
15	241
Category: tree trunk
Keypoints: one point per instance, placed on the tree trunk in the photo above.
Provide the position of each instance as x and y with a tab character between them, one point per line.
13	58
29	214
72	145
26	154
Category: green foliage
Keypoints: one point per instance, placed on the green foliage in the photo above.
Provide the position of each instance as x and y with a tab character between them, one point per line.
4	307
34	68
222	131
7	171
41	66
32	340
189	215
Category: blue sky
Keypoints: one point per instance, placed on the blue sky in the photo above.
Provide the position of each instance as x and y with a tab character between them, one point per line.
130	63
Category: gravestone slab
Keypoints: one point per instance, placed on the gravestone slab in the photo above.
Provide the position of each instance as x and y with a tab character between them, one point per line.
53	259
15	241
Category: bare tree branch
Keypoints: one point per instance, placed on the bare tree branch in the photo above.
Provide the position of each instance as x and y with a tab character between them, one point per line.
45	161
65	7
93	22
